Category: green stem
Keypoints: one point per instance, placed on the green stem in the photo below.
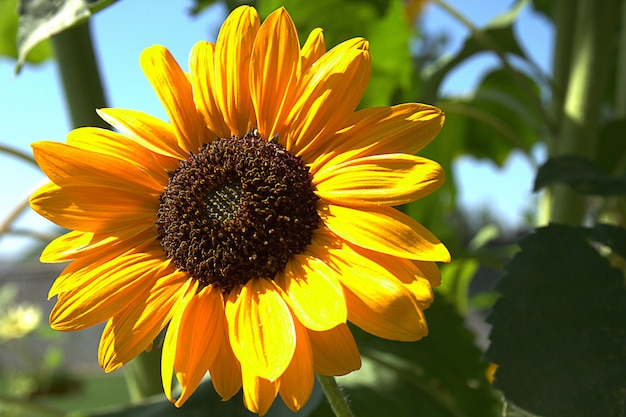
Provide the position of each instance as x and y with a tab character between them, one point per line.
591	51
620	82
143	375
564	12
18	154
336	398
80	75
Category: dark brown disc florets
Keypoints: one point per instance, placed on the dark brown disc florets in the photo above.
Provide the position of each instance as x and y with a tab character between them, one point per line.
237	210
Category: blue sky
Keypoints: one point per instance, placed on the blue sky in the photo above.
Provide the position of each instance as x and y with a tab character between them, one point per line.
32	106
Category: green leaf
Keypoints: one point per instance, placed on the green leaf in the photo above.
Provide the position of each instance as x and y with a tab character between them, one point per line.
580	174
611	148
613	237
41	19
381	22
559	328
498	35
8	35
441	375
497	119
204	402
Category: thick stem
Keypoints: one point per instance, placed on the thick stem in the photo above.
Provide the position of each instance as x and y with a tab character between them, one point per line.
143	375
80	75
620	82
336	398
591	52
564	12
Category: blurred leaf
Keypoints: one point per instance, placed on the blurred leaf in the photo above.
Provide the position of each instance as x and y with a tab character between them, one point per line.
455	281
441	375
614	237
8	35
204	402
200	5
498	33
611	149
41	19
544	7
559	328
581	174
497	119
382	22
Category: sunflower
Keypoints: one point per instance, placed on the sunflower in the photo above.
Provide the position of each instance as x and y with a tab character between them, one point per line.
254	224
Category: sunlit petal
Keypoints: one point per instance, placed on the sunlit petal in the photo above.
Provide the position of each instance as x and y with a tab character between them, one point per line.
261	329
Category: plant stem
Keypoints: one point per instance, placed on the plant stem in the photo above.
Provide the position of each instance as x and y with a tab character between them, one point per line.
564	12
143	375
80	75
18	154
336	398
591	52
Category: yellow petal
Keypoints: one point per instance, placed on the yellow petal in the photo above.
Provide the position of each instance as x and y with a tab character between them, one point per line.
296	384
88	267
202	69
201	332
405	128
88	206
273	66
226	371
232	68
334	351
83	245
60	162
414	275
148	131
131	331
258	393
385	230
111	143
430	271
377	301
261	329
94	295
174	90
315	294
328	94
388	180
172	336
313	49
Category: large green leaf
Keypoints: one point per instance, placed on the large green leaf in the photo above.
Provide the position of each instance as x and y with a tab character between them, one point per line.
441	375
8	35
581	174
382	22
559	328
41	19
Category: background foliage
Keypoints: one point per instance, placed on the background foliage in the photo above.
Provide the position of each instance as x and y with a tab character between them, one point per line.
558	338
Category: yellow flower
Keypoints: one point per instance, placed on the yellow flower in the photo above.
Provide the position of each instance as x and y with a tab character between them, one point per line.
254	224
17	321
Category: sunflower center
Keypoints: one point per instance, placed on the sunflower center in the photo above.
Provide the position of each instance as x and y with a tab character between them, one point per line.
237	210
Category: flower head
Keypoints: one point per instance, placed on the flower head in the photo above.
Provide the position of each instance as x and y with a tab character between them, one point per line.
254	224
